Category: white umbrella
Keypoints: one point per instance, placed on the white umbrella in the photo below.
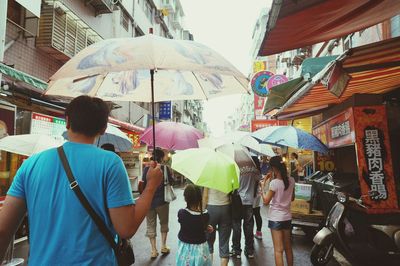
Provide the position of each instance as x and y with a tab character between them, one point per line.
114	136
28	144
256	147
147	69
238	138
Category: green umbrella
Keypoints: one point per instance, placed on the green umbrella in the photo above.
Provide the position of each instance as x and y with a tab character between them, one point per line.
207	168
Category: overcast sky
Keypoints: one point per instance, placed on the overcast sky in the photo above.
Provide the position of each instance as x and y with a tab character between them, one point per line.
226	26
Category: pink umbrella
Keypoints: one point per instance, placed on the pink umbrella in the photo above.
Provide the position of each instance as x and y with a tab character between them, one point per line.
172	136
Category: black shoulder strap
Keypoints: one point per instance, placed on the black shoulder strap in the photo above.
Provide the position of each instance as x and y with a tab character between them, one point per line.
73	184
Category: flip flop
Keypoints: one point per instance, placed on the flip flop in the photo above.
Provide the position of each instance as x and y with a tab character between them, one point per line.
165	250
154	254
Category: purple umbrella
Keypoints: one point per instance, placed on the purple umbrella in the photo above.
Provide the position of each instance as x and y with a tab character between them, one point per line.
172	136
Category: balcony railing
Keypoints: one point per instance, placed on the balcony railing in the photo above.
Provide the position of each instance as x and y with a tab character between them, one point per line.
101	6
176	22
61	33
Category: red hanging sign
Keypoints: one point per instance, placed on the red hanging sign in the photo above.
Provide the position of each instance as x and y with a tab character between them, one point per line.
375	166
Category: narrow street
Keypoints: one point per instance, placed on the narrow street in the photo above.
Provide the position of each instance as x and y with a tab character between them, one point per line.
264	249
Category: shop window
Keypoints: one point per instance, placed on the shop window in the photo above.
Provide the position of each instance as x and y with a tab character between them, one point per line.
14	12
148	10
395	26
9	164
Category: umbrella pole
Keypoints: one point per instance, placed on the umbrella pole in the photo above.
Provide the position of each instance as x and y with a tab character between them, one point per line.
153	112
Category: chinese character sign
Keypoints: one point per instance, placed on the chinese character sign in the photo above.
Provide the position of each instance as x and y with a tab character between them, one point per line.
258	105
374	156
48	125
259	124
341	129
165	111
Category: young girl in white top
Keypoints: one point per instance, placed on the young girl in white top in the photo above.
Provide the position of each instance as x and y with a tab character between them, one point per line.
279	197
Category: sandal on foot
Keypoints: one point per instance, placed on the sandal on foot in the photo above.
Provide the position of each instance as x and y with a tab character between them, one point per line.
165	250
154	254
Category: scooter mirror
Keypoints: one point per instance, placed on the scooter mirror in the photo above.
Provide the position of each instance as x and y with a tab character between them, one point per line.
330	176
342	197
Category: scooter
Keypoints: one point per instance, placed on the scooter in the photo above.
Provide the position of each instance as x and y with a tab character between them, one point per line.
362	238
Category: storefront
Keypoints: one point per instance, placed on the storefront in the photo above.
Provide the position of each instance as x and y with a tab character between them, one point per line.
354	101
133	160
361	149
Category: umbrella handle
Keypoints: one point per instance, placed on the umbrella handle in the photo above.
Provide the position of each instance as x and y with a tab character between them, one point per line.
153	112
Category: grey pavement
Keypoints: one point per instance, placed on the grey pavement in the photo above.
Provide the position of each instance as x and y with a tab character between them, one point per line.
263	248
264	254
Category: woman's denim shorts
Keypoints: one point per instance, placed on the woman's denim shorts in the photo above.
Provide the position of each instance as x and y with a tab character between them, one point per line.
280	225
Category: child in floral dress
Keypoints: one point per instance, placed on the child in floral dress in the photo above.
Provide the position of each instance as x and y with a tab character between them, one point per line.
192	247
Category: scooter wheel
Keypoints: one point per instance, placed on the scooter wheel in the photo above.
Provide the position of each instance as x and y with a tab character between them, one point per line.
318	254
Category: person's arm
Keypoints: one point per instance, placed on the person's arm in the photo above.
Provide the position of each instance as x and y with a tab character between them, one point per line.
127	219
267	197
293	189
11	216
13	210
205	197
171	178
299	167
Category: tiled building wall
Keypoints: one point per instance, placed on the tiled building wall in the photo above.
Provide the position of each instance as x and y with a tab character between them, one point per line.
26	57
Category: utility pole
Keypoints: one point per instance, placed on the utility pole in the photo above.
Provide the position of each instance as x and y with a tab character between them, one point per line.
3	25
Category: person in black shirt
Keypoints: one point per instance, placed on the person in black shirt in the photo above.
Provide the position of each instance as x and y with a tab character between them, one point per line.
192	246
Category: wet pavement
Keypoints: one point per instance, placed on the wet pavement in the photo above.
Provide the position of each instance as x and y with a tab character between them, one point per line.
264	254
263	248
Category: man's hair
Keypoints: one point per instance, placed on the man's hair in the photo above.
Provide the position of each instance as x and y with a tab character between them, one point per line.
87	115
108	147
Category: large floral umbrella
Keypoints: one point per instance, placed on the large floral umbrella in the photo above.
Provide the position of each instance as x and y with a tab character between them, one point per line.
147	69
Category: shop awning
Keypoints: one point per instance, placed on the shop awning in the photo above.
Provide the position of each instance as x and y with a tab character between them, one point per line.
21	76
296	24
281	93
369	69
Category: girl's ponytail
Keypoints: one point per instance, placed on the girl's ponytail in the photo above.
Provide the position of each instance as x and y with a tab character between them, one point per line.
279	164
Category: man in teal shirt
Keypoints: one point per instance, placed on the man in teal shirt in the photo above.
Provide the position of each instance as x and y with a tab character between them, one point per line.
61	231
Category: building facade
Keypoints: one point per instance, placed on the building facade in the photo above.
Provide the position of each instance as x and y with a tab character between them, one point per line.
39	44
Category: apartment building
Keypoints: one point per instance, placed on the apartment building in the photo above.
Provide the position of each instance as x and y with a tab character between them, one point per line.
41	35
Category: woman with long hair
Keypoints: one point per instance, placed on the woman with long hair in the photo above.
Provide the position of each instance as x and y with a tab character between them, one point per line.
279	196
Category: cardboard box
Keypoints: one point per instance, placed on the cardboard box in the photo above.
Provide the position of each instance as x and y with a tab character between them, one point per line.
301	206
303	191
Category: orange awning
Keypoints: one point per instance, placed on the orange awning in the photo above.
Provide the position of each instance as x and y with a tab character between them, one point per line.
373	69
296	24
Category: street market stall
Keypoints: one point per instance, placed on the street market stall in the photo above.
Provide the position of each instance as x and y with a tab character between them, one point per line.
357	97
